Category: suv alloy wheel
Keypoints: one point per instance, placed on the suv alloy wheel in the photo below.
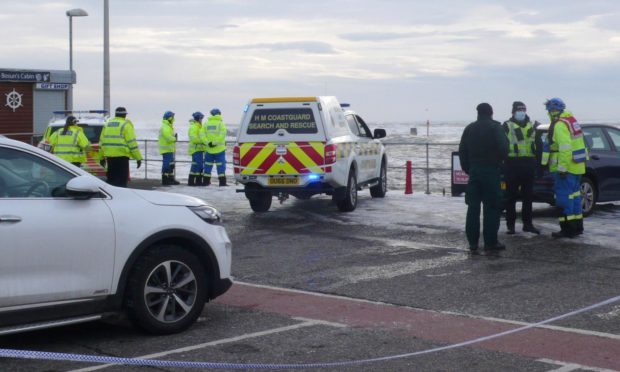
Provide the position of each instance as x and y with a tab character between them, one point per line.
167	290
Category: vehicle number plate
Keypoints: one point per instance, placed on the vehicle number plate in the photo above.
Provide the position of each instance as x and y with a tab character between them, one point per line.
283	181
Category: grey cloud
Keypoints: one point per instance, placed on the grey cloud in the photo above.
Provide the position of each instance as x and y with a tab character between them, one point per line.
314	47
227	26
609	21
382	36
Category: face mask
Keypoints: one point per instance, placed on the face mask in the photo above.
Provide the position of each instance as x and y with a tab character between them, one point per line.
520	115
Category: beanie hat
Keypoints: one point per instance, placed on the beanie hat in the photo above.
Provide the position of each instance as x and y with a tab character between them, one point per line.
484	109
517	106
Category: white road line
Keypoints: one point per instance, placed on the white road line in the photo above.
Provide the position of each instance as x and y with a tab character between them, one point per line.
567	367
306	323
498	320
321	322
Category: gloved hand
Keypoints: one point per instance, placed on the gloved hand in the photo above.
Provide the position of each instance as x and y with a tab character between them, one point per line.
211	144
563	175
172	167
139	163
176	136
102	162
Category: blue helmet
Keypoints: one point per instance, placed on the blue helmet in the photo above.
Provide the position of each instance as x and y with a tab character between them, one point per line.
168	115
555	104
198	115
215	111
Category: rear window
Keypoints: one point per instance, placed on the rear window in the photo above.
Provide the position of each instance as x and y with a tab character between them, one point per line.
91	132
293	120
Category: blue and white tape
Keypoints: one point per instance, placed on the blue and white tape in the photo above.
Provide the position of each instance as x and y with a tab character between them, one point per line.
43	355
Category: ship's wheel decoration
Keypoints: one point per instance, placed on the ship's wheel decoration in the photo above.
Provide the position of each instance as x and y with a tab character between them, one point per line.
13	100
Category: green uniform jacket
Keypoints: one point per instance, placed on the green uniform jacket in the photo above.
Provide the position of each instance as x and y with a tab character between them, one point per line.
70	146
195	143
118	139
214	131
483	143
167	140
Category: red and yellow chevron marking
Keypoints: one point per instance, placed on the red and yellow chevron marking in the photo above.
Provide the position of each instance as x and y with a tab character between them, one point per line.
300	158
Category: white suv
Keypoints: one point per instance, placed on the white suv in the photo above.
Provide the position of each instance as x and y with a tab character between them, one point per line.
74	248
304	146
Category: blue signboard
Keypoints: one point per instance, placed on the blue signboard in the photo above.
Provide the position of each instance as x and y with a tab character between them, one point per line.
25	76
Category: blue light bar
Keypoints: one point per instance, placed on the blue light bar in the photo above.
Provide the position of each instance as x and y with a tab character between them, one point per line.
345	105
313	177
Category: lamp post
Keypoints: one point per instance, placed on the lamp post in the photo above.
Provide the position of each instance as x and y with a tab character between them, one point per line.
72	13
106	56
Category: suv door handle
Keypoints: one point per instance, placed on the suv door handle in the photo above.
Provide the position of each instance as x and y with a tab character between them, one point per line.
10	219
595	157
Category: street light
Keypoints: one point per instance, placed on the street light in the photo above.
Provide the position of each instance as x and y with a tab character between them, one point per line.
72	13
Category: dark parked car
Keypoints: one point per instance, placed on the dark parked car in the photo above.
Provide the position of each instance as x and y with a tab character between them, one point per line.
600	184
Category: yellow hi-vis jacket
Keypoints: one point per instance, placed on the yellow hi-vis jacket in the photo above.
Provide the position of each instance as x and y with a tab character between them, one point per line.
565	150
118	139
167	140
195	143
521	140
70	146
214	131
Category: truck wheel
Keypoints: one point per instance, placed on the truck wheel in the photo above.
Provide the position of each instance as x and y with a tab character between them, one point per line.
380	189
260	201
588	196
167	290
349	202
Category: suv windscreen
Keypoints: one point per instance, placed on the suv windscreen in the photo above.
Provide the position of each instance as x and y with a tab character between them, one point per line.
91	132
293	120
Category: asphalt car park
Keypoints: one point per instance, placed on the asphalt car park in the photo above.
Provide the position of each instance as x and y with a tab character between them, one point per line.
394	277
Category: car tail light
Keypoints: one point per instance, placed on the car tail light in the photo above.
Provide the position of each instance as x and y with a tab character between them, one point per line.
330	154
236	159
236	156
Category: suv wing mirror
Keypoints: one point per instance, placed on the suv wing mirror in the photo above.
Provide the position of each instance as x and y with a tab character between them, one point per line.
379	133
82	187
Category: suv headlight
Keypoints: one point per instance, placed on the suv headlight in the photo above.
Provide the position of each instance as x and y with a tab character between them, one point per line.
208	214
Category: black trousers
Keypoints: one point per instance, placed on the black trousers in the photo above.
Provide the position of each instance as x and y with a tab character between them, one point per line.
118	171
519	179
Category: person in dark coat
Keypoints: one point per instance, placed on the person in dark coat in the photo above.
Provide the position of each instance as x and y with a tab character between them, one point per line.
482	150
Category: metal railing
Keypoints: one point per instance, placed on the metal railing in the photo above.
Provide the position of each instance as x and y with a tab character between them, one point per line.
431	161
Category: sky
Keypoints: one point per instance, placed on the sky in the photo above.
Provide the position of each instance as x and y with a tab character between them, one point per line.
392	60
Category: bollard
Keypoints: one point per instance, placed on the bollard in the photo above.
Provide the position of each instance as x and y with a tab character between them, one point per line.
408	179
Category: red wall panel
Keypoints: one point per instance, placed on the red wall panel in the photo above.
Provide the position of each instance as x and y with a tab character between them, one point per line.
20	120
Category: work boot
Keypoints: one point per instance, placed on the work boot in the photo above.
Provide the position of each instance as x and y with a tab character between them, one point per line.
565	231
206	180
191	181
510	228
494	247
578	226
164	180
222	181
173	181
531	229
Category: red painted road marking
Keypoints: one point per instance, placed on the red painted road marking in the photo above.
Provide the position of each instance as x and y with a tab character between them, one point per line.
432	326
